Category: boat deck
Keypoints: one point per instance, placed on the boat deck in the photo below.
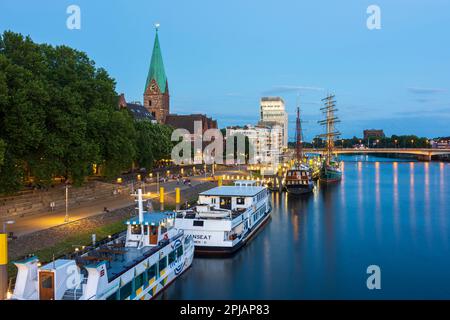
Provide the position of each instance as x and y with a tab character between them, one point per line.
119	258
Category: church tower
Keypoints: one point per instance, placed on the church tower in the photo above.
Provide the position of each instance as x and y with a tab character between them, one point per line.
156	92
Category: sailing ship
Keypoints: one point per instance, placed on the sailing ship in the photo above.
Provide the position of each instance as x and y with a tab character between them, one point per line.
331	167
298	179
226	217
135	264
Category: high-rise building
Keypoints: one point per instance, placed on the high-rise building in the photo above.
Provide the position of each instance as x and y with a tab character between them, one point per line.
273	113
156	92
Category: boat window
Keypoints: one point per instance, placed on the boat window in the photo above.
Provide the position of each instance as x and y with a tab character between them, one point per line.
240	200
151	272
172	257
136	229
162	264
225	203
125	291
139	281
197	223
179	251
46	281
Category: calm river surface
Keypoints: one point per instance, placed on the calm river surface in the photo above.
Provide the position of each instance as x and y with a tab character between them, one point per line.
394	214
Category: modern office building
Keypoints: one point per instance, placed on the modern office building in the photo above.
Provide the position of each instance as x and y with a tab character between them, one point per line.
273	113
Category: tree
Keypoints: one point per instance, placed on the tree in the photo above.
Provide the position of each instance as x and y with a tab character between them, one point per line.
58	115
153	142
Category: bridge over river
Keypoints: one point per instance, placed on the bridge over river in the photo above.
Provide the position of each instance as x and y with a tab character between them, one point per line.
423	154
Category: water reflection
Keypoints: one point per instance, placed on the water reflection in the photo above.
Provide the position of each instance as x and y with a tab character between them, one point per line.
377	201
412	200
320	246
395	199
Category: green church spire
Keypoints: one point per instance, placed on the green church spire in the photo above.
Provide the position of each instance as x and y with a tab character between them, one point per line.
156	70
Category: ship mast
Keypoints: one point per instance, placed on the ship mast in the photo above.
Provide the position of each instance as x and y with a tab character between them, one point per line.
330	119
298	138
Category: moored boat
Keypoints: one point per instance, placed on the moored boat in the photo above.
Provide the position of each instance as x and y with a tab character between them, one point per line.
226	217
299	180
330	172
136	264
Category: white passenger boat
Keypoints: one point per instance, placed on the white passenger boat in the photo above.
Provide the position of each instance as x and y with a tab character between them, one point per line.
226	217
135	264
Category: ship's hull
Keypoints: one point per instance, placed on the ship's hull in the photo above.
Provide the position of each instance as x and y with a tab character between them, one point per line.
328	175
222	251
300	189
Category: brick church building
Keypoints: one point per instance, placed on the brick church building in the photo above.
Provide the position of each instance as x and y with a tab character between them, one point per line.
157	96
156	91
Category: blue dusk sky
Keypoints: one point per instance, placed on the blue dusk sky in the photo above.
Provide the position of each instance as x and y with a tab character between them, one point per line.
222	56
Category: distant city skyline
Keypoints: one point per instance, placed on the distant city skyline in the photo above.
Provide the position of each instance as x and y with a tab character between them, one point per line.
222	57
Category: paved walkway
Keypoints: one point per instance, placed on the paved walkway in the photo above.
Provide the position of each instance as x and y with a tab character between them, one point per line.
42	221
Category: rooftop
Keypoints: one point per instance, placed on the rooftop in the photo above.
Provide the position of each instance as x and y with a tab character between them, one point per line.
272	99
139	112
153	219
237	191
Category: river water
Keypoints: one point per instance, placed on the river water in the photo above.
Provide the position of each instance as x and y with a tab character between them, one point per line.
391	213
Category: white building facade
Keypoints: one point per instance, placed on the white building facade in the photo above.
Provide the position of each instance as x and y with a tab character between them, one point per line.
266	143
273	113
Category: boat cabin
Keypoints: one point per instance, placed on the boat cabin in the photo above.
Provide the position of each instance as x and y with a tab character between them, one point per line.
241	196
153	228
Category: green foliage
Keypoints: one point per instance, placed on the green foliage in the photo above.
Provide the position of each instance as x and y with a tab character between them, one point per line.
2	151
152	142
405	141
59	116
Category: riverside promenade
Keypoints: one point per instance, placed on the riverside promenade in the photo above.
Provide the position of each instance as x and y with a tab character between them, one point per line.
50	219
26	225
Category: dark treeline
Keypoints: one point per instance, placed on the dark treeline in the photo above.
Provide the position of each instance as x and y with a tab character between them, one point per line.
59	117
406	141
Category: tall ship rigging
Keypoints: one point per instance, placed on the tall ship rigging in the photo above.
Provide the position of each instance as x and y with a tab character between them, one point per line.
298	179
331	167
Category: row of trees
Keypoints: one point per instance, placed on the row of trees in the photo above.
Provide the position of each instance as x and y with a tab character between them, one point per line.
405	141
59	117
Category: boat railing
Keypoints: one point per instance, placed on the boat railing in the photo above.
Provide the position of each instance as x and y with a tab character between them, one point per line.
145	255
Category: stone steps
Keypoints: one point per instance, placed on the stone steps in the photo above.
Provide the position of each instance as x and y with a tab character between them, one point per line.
38	201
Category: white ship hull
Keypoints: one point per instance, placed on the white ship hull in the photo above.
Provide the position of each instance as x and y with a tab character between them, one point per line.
223	231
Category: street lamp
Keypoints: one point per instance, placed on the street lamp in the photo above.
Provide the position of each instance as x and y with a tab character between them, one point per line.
396	143
66	217
412	142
